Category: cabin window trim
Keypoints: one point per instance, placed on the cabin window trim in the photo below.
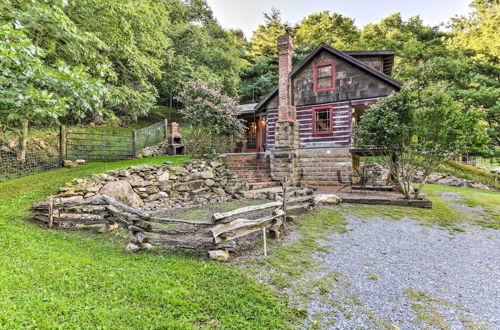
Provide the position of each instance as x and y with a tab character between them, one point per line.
319	65
329	120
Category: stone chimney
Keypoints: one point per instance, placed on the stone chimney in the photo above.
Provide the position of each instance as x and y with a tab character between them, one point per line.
284	156
286	112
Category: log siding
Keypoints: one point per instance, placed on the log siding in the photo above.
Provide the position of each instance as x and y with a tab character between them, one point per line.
341	117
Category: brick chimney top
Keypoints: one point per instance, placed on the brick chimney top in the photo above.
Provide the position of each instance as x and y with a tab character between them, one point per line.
175	130
285	43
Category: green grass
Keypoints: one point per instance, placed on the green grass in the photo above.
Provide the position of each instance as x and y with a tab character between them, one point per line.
289	261
81	279
428	308
442	213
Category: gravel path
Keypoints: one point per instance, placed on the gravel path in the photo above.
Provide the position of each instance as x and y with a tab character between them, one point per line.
401	274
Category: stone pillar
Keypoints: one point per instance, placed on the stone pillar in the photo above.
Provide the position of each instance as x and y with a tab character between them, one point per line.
284	158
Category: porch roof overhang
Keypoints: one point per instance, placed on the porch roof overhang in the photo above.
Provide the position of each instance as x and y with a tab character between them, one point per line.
246	109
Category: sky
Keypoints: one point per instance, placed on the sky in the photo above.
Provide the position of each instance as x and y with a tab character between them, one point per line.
247	14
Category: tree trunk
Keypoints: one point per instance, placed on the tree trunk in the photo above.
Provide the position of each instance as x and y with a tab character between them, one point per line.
21	157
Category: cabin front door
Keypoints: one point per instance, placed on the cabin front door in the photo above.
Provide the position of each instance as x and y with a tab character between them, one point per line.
255	135
252	137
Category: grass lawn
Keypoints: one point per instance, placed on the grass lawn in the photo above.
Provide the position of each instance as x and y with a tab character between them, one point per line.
81	279
442	213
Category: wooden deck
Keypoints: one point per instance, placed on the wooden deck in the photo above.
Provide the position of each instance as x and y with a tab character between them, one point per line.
372	197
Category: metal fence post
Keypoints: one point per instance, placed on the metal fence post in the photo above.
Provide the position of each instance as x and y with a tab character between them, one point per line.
62	143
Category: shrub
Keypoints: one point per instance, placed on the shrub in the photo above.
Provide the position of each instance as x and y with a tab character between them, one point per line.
212	116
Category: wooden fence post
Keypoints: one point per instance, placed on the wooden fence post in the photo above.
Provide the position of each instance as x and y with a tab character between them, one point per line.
62	143
134	143
166	128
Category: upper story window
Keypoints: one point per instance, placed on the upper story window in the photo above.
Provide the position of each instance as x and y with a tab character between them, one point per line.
324	76
322	120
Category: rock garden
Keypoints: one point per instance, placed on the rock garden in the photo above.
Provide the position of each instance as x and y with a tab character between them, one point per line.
142	199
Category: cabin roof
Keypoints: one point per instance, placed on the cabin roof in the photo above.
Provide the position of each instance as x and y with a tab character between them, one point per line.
346	57
246	108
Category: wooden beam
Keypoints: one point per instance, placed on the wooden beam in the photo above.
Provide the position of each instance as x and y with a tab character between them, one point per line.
247	209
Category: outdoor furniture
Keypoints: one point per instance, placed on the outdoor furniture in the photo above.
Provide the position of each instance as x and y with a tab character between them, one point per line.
353	184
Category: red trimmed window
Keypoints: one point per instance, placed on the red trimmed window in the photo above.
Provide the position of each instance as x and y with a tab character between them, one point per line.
324	77
322	120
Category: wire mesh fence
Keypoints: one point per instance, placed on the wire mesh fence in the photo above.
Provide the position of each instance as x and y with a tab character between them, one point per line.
98	146
40	156
151	135
47	153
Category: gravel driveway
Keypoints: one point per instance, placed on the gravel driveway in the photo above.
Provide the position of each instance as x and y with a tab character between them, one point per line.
401	274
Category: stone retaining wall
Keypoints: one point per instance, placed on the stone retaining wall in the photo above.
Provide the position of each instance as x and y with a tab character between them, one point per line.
151	187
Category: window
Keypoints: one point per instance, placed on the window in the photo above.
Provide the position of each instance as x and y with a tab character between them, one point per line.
324	77
322	120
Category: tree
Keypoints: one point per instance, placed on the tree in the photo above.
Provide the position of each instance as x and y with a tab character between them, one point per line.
212	116
263	42
473	82
32	92
123	43
478	31
201	49
333	29
413	42
423	126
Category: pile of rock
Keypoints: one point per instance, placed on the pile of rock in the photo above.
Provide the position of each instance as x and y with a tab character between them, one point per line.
446	179
152	187
160	149
380	174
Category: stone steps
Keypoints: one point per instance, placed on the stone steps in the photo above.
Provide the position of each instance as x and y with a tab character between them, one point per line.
256	171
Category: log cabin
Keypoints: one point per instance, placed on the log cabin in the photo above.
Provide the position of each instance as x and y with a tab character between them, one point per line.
302	129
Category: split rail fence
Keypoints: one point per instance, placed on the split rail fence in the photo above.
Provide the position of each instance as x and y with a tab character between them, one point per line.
218	233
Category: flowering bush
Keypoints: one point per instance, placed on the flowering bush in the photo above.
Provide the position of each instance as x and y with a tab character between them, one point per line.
212	116
426	124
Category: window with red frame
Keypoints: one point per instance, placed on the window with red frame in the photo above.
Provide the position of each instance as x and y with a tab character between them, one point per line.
322	120
324	77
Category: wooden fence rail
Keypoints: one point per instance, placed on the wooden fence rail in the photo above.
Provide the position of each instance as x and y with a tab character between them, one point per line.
218	233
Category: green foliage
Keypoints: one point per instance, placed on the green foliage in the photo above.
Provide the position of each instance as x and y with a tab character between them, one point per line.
263	42
478	32
333	29
468	172
424	124
212	116
82	279
31	91
201	50
472	81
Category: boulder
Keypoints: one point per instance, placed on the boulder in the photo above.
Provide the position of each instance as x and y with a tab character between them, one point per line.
221	255
207	175
69	163
327	199
164	177
188	186
131	247
122	191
